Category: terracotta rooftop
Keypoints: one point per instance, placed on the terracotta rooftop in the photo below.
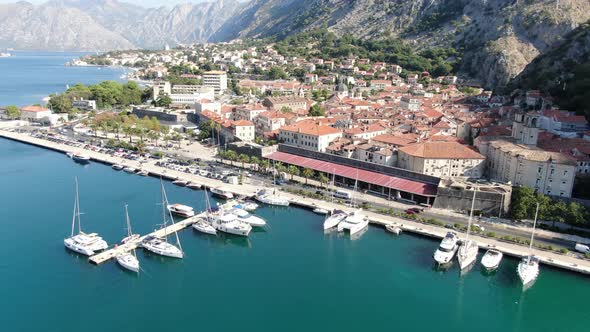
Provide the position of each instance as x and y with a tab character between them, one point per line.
441	150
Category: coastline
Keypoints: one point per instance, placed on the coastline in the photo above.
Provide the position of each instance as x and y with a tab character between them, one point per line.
548	258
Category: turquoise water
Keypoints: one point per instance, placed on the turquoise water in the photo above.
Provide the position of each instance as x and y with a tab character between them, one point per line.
291	277
28	77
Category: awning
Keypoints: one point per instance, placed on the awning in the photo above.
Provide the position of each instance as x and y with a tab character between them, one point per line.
387	181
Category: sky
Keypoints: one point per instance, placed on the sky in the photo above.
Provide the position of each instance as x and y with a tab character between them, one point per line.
143	3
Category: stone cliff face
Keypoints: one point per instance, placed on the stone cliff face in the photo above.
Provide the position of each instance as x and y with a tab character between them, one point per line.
96	25
498	37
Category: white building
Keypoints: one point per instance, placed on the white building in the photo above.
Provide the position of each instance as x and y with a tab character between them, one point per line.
34	113
309	135
409	103
243	130
442	159
217	80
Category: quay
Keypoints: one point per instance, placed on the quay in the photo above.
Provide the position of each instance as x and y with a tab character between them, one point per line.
247	190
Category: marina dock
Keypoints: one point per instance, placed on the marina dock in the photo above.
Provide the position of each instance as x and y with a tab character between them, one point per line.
567	262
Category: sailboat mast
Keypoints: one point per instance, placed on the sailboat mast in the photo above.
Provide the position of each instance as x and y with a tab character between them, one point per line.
171	218
533	232
78	207
129	232
164	207
74	215
471	213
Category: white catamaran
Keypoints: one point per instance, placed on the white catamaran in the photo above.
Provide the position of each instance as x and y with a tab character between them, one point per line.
528	268
85	244
161	246
128	260
467	253
355	222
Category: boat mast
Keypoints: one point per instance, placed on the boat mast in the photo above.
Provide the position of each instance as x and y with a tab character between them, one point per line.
74	215
129	232
471	214
78	208
171	218
164	207
353	200
207	205
533	232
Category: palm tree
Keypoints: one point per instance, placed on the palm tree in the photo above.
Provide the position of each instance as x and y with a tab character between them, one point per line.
280	167
153	136
307	173
105	128
176	137
117	126
94	128
255	160
323	179
232	156
244	158
140	147
265	164
128	130
293	170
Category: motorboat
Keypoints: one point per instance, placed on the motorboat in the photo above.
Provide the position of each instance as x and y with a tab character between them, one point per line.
80	158
161	247
118	167
467	254
181	210
5	55
229	223
271	198
321	211
221	193
128	260
248	218
129	169
354	223
248	206
394	228
447	249
180	183
491	259
528	270
82	243
334	219
468	250
142	172
204	226
193	185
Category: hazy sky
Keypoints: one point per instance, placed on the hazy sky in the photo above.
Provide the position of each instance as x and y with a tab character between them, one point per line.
144	3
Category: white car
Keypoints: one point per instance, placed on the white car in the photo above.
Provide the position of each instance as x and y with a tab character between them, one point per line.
582	248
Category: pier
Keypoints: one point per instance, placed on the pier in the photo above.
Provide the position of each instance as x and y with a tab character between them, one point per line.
554	259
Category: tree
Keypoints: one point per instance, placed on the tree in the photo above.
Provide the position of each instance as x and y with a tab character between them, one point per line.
293	171
265	164
13	112
153	135
163	100
244	158
60	103
323	178
307	173
316	110
255	160
232	156
286	109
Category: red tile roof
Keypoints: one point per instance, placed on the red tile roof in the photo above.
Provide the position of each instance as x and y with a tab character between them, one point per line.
441	150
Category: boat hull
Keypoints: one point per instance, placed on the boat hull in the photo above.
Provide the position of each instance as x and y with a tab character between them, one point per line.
204	228
168	252
71	245
129	262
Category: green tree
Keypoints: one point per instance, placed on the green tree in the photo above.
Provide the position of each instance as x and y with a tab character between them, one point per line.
293	171
307	173
13	112
316	110
232	156
163	100
244	158
323	179
286	109
255	160
60	103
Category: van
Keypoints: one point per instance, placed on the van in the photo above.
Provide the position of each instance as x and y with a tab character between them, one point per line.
342	194
582	248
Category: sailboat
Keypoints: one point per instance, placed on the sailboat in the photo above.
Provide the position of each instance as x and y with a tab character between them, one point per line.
161	246
336	216
528	268
272	198
356	221
82	243
126	259
467	253
204	226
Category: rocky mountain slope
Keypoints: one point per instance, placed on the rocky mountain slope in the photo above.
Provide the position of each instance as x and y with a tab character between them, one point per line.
498	37
95	25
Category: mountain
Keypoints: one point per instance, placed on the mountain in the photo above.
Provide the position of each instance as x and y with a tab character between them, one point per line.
498	38
563	71
96	25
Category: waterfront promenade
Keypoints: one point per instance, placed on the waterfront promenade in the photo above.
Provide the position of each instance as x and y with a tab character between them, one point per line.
549	258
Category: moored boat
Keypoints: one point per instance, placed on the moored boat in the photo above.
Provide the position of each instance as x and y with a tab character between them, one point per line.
271	198
334	219
117	167
319	210
193	185
467	254
394	228
181	210
221	193
491	259
354	223
142	172
204	226
448	248
181	183
80	158
128	260
248	218
129	169
528	268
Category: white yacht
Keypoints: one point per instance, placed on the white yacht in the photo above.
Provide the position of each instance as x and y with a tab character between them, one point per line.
180	183
129	169
161	246
447	249
181	210
467	254
128	260
248	218
354	222
248	206
394	228
204	226
334	219
142	172
221	193
491	260
117	167
80	158
319	210
85	244
192	185
528	268
271	198
229	223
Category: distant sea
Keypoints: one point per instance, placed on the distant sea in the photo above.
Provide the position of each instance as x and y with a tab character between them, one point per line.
28	77
288	277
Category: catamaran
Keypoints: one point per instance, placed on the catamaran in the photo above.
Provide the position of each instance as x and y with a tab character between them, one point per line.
85	244
467	254
356	221
161	246
528	268
336	217
128	260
